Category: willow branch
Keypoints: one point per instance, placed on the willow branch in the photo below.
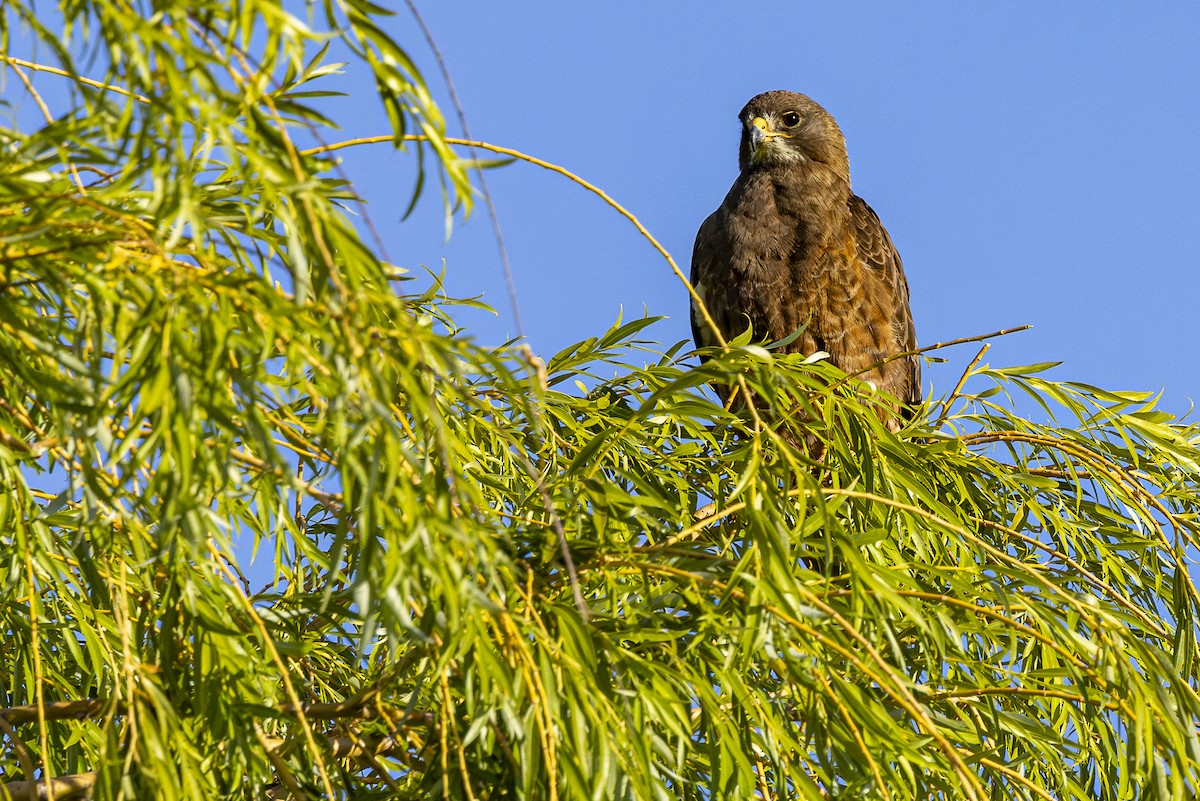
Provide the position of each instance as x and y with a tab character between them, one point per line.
61	788
946	404
546	165
927	348
107	87
92	708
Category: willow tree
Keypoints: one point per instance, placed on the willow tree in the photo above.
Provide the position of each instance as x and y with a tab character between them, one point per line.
494	575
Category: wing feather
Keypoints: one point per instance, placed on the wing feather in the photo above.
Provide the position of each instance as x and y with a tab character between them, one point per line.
885	272
706	277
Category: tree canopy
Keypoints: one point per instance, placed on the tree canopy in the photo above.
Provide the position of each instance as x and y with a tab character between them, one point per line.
492	574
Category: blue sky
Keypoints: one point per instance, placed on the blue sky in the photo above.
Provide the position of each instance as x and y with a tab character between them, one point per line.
1035	165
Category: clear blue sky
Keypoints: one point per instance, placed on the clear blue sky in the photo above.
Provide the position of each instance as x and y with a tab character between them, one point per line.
1034	165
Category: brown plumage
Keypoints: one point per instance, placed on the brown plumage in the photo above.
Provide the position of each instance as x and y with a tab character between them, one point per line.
792	245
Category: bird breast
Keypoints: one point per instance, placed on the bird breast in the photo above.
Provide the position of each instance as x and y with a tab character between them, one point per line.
768	227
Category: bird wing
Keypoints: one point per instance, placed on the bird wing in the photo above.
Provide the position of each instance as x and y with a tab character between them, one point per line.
704	255
885	272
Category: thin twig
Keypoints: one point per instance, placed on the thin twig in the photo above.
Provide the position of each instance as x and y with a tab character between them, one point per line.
1016	777
479	171
20	62
972	693
368	140
37	98
56	710
927	348
958	387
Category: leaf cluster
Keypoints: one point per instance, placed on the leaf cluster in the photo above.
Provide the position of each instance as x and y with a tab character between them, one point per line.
272	527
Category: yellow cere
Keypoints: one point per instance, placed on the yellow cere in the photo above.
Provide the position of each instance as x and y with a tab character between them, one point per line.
768	133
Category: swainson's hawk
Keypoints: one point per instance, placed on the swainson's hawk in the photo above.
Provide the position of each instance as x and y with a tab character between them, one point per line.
792	245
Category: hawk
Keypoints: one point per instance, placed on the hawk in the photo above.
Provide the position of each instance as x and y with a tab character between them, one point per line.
791	246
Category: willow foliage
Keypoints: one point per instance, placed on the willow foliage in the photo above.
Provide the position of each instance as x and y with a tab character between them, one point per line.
491	576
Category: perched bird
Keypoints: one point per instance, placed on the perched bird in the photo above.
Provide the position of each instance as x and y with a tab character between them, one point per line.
791	246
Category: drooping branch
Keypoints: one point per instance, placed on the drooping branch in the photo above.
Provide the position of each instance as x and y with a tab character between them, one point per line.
56	710
94	707
78	785
61	788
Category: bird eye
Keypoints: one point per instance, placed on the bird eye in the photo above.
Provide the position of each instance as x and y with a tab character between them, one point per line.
790	118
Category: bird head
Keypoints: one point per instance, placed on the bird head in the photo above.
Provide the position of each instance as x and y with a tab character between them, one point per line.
781	128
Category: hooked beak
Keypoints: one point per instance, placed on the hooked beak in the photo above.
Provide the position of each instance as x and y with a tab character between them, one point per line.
760	132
